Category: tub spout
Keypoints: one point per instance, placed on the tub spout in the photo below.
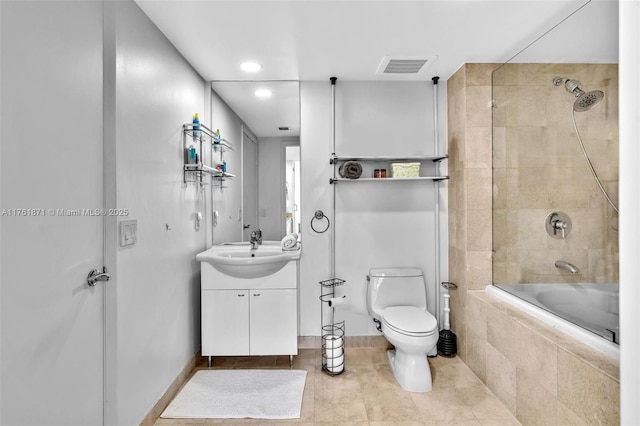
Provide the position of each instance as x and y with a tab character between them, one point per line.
561	264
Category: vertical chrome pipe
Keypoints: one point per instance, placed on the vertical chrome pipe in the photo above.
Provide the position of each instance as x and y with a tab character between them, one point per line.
333	188
436	221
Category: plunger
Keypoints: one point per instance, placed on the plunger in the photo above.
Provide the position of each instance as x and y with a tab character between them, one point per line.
447	344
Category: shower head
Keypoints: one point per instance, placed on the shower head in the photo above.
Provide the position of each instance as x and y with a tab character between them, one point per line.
585	100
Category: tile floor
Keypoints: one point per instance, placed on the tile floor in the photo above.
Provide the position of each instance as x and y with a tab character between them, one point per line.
367	393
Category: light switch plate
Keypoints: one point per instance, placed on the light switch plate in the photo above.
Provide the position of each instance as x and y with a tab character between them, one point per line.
128	232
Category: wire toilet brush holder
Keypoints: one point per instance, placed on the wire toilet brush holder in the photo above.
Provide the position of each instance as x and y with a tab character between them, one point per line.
333	336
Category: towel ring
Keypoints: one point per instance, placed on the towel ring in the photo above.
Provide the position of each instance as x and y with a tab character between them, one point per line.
319	215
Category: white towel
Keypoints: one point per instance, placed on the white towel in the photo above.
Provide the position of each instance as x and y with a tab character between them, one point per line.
289	242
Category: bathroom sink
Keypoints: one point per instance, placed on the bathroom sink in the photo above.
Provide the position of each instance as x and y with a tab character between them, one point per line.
238	260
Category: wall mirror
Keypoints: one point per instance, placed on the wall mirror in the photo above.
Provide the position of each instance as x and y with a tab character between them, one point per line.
269	154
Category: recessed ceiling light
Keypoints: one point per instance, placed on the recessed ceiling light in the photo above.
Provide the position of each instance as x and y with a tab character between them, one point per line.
250	66
263	93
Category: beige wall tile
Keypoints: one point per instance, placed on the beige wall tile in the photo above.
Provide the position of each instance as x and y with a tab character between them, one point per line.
505	75
456	82
537	359
462	232
478	106
566	417
592	395
478	147
476	350
499	144
476	316
534	404
478	188
479	272
501	332
529	229
479	224
461	333
479	74
501	377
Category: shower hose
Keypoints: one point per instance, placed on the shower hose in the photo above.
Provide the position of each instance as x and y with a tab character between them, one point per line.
586	157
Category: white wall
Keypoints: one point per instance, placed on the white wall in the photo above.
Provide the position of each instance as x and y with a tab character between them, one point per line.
377	224
629	211
157	281
228	200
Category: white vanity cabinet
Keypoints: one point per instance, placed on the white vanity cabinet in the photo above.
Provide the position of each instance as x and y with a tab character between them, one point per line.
249	316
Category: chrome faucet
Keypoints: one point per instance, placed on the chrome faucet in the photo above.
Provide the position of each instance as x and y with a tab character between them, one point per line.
561	264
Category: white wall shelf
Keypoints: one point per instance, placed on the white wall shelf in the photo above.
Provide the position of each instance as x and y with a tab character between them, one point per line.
336	159
431	178
434	158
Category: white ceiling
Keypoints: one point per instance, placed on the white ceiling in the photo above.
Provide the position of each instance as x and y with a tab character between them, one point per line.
261	115
316	39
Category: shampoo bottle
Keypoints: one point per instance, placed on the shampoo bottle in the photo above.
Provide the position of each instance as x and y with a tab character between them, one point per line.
196	126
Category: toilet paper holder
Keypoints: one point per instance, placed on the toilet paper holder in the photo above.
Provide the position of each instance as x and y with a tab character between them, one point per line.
333	336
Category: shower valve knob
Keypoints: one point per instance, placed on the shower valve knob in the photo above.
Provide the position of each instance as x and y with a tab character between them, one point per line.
558	221
559	225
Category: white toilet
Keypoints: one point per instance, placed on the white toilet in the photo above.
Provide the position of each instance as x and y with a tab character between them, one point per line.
397	302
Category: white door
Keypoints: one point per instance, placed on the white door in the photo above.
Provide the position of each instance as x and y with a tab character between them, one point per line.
249	185
51	224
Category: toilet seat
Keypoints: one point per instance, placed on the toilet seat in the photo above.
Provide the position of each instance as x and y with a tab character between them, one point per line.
410	321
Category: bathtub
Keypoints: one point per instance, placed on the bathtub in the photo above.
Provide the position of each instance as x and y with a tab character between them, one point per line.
587	312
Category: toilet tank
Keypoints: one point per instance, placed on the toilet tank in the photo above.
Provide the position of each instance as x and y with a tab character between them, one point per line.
395	287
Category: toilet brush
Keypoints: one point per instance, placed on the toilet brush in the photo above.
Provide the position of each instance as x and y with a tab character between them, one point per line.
447	345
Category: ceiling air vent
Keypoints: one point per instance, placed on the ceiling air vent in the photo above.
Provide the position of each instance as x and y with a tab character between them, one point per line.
404	66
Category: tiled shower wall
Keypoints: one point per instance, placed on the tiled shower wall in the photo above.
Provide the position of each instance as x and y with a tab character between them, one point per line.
542	376
469	125
539	168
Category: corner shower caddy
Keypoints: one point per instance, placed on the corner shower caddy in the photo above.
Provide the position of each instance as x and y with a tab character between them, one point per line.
196	172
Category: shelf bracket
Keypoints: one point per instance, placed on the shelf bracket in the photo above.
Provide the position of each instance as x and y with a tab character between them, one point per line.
332	181
333	159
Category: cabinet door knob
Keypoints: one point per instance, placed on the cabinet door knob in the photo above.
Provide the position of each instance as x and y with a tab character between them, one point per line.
256	294
241	295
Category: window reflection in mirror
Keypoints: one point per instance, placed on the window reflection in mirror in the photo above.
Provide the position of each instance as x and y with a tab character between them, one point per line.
292	190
